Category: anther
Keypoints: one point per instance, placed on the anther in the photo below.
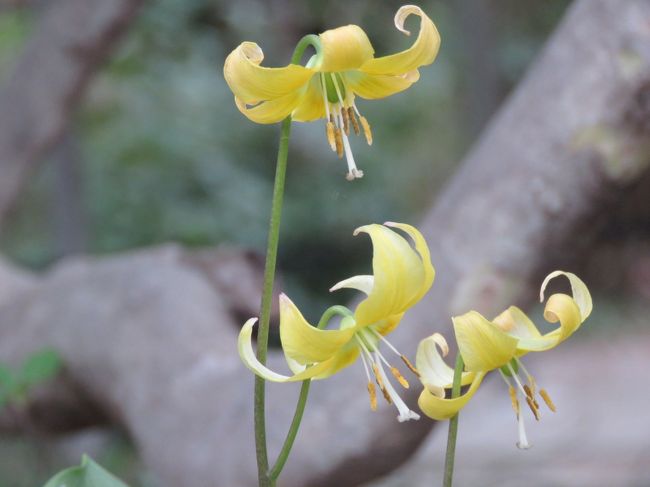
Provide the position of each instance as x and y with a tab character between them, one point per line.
338	138
373	396
532	407
547	399
513	399
378	378
410	365
346	121
366	129
353	119
529	393
331	138
400	378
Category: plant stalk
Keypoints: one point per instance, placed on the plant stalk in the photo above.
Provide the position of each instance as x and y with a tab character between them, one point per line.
453	425
264	476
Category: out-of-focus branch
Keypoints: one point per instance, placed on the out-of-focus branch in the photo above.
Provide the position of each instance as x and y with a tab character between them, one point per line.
151	339
70	41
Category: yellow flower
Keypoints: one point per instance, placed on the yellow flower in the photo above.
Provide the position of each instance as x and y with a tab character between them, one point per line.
401	276
498	344
344	66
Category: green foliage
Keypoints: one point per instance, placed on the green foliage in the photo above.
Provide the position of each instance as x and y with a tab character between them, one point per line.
39	367
88	474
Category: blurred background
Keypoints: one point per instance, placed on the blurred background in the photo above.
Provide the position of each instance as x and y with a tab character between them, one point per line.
157	152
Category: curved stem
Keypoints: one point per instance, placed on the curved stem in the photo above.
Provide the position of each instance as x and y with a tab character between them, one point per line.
302	399
269	274
331	312
453	425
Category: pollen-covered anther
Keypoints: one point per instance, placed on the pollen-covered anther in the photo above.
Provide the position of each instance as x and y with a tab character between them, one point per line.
378	378
411	367
513	400
547	399
532	407
366	129
346	121
373	396
528	391
338	138
353	120
331	137
400	378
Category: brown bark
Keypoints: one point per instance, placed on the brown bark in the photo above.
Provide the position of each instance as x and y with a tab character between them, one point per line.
71	40
148	337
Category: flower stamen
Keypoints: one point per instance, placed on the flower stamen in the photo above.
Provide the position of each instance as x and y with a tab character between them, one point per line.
353	119
547	399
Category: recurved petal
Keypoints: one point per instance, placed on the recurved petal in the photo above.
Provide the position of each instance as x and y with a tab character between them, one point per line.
304	343
435	374
399	276
271	111
360	283
440	408
252	83
559	308
343	49
384	327
483	345
421	248
372	86
319	370
422	52
579	290
311	105
515	322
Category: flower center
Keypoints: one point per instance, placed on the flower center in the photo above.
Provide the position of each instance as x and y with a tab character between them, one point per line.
341	114
528	391
373	361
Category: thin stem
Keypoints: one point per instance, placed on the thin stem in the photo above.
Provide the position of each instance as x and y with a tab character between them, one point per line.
302	399
453	425
264	477
331	312
293	431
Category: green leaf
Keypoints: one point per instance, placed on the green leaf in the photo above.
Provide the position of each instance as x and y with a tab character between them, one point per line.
40	367
88	474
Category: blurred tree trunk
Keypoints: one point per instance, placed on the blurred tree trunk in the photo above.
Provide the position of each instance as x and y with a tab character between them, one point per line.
71	40
150	339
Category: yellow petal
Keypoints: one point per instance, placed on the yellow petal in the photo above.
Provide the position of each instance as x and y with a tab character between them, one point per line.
319	370
270	111
421	53
344	48
361	283
252	83
373	86
422	248
559	308
515	323
435	374
483	345
399	276
304	343
439	408
579	290
311	105
384	327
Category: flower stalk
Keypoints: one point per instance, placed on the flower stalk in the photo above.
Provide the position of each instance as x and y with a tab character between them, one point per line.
261	453
453	425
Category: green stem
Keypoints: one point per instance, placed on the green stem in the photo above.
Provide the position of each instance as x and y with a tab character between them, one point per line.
453	425
269	274
302	399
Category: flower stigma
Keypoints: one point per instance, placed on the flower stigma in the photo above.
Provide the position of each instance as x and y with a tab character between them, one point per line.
526	391
341	114
373	361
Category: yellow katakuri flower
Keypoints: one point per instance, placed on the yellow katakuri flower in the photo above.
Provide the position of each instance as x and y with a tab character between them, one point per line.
498	344
402	274
344	66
